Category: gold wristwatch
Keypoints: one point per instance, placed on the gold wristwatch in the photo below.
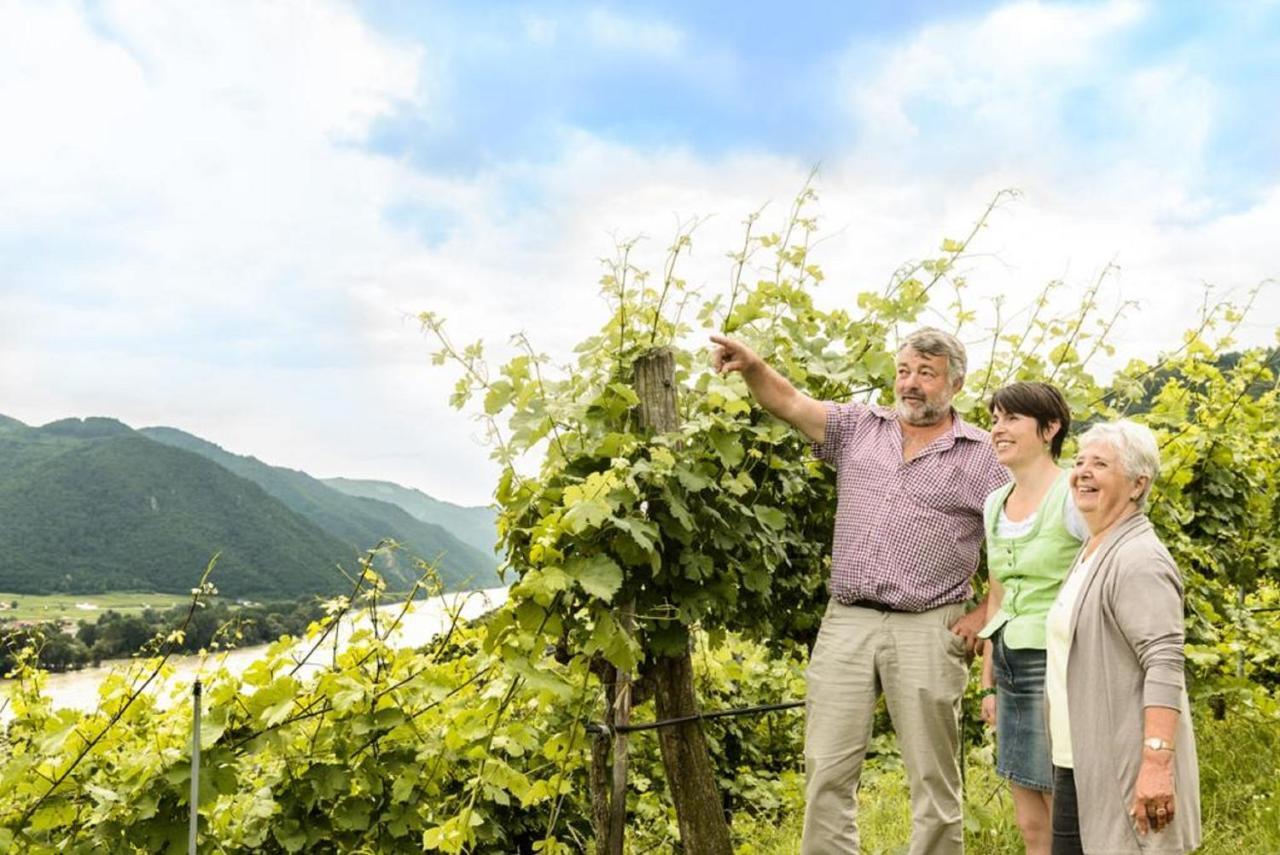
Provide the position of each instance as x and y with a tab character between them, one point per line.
1155	743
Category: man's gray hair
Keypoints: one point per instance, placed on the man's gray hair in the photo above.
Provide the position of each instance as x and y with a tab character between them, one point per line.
1139	452
934	342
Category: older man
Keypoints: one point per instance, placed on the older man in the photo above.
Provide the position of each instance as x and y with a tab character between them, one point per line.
911	480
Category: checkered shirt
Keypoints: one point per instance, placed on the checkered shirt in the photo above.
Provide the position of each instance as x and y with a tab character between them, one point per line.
907	534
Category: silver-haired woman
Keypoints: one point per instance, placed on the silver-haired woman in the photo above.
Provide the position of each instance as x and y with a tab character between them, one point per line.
1124	755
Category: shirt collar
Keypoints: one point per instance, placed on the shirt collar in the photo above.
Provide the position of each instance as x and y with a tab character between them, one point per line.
963	430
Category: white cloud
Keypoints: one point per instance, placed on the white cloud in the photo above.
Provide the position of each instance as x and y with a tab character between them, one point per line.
1009	63
1110	152
887	199
186	206
202	170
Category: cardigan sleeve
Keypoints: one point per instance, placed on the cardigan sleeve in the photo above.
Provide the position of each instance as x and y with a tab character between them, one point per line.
1147	605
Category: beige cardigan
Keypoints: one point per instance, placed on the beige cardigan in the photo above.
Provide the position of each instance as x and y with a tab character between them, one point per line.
1126	654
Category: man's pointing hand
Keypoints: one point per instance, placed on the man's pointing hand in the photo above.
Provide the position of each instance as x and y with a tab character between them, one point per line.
733	355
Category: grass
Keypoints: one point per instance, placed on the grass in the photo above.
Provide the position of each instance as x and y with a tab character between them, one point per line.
67	606
1239	800
884	822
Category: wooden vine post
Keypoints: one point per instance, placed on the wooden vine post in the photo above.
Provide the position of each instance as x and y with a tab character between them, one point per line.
601	746
608	776
689	772
622	717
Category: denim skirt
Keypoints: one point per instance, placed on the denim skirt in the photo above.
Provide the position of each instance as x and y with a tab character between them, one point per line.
1022	728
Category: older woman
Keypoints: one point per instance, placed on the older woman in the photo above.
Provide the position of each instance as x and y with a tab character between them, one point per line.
1124	755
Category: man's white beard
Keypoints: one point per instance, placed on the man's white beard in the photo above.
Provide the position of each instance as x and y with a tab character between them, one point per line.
925	413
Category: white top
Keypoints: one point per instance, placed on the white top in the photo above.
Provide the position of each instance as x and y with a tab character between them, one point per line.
1057	647
1071	518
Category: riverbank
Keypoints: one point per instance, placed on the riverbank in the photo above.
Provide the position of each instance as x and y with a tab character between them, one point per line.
425	619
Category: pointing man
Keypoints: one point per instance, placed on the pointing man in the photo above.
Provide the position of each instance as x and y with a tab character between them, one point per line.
910	485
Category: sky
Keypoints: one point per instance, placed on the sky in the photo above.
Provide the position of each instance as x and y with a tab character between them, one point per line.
225	217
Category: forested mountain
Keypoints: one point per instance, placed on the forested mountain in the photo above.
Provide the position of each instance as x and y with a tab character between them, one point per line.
98	507
474	525
359	521
93	505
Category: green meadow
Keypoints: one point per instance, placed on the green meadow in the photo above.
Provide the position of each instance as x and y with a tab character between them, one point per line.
73	606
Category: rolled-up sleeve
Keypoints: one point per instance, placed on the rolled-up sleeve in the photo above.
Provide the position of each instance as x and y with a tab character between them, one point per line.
842	421
1148	608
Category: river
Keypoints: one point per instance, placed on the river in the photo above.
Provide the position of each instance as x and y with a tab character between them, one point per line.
427	619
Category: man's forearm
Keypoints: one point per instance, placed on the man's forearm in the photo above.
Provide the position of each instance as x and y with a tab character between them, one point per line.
776	394
772	391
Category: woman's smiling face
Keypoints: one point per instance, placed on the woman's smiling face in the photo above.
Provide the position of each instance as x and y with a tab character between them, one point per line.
1103	491
1017	438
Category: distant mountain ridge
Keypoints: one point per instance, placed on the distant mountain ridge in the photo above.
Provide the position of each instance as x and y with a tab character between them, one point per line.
90	505
477	526
359	521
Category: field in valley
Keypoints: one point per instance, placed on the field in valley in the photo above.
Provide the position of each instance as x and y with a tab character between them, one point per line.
82	606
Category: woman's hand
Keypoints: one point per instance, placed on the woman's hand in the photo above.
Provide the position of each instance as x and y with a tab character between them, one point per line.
1153	802
987	647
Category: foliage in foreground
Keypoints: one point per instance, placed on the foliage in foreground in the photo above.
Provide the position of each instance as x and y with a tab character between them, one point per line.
396	750
387	749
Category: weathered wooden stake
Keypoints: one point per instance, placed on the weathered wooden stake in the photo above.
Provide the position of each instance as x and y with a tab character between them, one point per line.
194	824
690	775
621	718
601	746
600	791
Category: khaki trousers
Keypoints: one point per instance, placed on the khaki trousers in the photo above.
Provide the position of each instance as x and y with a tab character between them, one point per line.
921	668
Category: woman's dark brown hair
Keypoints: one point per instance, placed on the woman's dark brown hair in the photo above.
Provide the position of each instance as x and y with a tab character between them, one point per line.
1038	401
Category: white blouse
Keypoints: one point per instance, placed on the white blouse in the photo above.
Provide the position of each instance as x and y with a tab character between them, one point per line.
1071	518
1057	648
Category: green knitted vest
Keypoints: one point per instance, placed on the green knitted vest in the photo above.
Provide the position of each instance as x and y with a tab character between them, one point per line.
1030	567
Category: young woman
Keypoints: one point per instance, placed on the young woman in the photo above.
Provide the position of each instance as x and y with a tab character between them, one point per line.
1033	533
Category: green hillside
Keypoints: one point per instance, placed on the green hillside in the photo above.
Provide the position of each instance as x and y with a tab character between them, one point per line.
473	525
94	427
360	521
94	506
